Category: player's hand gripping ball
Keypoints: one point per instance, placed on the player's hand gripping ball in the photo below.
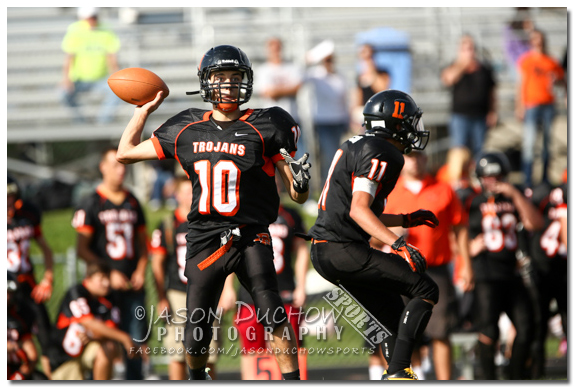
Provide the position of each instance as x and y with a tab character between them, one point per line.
136	85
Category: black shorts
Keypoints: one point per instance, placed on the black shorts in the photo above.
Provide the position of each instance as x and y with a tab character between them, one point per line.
376	279
503	296
444	318
252	261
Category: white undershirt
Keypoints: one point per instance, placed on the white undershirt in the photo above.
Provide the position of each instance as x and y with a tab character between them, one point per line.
414	186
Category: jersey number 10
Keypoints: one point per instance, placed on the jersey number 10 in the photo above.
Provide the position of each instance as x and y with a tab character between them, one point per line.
220	186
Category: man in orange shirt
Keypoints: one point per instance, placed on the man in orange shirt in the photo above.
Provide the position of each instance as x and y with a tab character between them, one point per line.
535	100
416	189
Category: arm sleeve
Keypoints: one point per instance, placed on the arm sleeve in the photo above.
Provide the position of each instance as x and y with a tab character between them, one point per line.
164	138
372	164
84	218
285	136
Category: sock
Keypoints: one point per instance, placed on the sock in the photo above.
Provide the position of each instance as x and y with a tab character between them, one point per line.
291	375
197	374
486	355
418	370
375	372
401	358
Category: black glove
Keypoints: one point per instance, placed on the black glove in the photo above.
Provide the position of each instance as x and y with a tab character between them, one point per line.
299	170
411	254
420	217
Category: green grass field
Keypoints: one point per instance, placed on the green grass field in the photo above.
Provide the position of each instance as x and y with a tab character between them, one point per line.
61	237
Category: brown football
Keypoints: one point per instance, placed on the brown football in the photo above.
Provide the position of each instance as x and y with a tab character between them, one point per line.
136	85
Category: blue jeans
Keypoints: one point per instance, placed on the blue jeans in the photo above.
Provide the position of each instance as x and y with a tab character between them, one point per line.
108	107
468	131
128	302
162	177
539	115
329	137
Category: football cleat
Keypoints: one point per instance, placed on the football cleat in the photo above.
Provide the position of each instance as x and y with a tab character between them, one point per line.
405	374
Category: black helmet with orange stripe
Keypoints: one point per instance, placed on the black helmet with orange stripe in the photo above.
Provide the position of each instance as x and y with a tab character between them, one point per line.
395	115
221	58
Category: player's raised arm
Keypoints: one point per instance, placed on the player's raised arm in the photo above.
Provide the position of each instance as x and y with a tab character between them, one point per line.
131	149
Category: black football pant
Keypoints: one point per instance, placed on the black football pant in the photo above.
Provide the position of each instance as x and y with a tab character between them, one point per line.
511	297
552	285
42	326
377	280
252	262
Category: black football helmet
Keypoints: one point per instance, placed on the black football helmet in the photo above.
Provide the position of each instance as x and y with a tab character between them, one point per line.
225	57
394	114
493	164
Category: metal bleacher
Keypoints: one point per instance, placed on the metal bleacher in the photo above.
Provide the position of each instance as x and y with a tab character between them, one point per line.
169	41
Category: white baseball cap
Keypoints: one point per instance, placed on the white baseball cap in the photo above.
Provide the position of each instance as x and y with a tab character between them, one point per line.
87	12
321	51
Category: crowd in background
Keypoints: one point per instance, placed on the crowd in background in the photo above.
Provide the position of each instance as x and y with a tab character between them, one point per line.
461	264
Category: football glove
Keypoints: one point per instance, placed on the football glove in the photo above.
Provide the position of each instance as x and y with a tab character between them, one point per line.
411	254
299	170
42	292
420	217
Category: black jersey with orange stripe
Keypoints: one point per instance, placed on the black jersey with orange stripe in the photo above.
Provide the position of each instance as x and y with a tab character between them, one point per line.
78	305
175	249
21	229
494	218
546	245
232	170
114	229
368	156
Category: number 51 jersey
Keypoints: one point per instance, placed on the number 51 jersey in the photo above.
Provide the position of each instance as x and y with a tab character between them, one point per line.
368	156
232	170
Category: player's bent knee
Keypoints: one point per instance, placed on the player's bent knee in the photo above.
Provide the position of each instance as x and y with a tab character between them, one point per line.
426	289
270	310
110	349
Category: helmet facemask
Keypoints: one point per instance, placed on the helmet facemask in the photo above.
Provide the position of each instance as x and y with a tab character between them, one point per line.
411	132
211	91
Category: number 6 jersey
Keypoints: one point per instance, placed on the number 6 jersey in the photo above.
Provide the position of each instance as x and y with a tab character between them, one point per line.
232	170
78	305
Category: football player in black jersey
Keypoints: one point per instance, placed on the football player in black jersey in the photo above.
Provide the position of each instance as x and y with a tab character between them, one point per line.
548	252
111	227
230	155
493	217
363	173
24	226
85	335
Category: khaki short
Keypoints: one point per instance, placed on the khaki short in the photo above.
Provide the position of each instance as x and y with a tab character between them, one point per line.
173	340
74	369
